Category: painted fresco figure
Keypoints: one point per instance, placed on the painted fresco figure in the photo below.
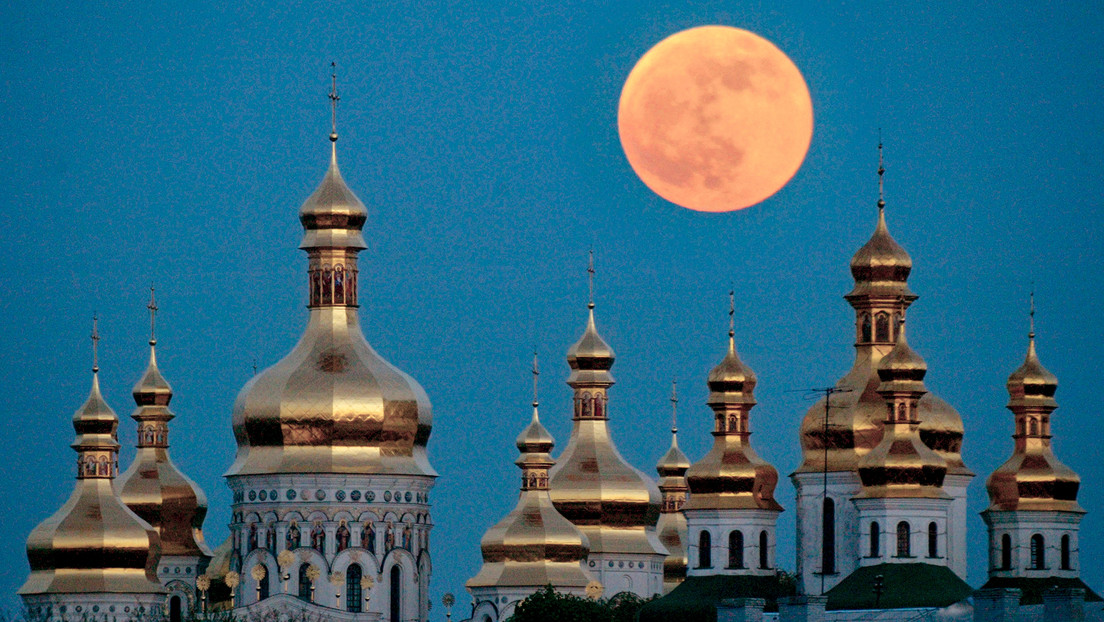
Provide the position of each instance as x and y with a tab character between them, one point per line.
406	540
270	538
389	539
252	536
318	538
293	538
342	537
368	537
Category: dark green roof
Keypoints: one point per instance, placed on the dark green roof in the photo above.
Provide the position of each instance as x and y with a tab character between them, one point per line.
906	586
1031	590
696	598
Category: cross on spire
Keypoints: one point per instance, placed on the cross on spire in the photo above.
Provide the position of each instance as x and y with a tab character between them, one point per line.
881	173
731	313
590	277
152	306
674	406
95	343
333	101
536	373
1031	314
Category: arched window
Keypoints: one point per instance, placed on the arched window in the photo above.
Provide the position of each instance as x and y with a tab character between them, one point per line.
174	609
828	538
263	585
327	285
396	593
904	548
1033	426
933	540
1006	552
339	284
881	327
1038	552
875	540
353	595
764	559
736	549
1066	565
865	335
895	327
705	559
304	583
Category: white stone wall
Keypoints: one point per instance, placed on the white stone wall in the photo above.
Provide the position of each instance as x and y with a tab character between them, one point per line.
842	486
918	513
96	607
720	524
1021	525
623	572
956	486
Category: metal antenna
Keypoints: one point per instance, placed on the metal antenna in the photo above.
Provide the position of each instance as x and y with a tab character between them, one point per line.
674	406
152	306
590	277
95	343
333	102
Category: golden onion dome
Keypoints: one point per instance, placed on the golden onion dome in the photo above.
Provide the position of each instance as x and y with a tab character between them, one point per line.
332	405
534	545
881	259
732	475
611	502
671	529
153	487
901	465
673	463
1033	478
94	543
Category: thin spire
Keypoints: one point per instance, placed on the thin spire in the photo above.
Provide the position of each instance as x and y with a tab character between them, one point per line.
536	374
254	366
95	343
674	406
1031	314
152	306
731	314
333	101
881	173
590	277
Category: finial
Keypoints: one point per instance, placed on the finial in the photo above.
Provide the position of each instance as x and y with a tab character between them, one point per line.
731	313
881	173
95	344
333	102
674	406
152	306
254	366
1031	314
536	373
590	277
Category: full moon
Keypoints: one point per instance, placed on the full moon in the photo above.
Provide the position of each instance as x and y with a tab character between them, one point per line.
715	119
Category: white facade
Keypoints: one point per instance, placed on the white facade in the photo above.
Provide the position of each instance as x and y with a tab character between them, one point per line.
93	607
903	530
376	526
736	537
844	552
627	572
1033	543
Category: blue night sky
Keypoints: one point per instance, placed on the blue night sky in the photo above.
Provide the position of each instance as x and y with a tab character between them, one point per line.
173	143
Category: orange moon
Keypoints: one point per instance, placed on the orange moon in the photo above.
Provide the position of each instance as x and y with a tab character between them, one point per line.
715	119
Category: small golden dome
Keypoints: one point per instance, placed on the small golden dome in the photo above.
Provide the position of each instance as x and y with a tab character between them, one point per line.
534	545
881	258
153	487
590	358
333	216
673	463
1033	478
94	543
732	475
332	405
902	367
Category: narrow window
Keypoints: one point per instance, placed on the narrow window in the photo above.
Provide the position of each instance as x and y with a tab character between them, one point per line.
764	560
903	545
933	540
881	327
1006	552
1066	553
174	609
304	583
828	538
704	557
327	285
875	540
353	594
1034	426
263	585
866	328
736	549
1038	552
396	593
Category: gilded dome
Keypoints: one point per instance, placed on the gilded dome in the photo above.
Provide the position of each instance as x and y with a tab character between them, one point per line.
534	545
332	405
153	487
671	527
94	543
611	502
673	463
732	475
1033	478
881	265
